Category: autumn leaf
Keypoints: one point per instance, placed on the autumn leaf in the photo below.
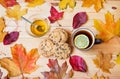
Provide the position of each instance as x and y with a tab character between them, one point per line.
99	77
63	4
55	15
118	59
21	62
109	29
8	3
57	72
2	27
16	12
33	3
103	61
98	4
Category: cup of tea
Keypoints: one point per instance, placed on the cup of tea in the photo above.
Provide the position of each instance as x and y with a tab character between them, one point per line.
83	38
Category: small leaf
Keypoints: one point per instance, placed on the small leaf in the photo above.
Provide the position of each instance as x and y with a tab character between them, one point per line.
33	3
11	37
79	19
12	68
16	12
55	15
98	4
2	27
8	3
57	72
118	59
78	63
103	61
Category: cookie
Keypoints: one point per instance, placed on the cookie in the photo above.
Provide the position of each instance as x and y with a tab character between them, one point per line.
46	47
62	50
58	35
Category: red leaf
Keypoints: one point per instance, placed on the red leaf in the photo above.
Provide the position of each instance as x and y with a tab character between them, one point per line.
78	63
55	15
8	3
11	37
79	19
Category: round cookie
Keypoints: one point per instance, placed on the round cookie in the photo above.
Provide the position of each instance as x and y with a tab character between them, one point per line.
46	47
62	50
59	35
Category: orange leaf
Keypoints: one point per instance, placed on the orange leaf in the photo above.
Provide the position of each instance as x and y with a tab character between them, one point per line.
2	26
109	29
25	61
97	4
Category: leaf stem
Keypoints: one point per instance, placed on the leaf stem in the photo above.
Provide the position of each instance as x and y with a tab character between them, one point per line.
58	24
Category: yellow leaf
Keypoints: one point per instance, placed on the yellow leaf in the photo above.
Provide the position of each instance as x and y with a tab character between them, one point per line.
109	29
12	68
118	59
98	4
64	3
99	77
95	76
103	61
33	3
2	26
16	12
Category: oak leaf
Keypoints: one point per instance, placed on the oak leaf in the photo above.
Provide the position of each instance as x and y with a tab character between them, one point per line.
2	27
33	3
16	12
57	72
21	61
8	3
109	29
98	4
103	61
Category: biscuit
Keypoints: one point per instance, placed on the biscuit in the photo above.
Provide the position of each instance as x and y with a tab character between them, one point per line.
46	48
62	50
58	35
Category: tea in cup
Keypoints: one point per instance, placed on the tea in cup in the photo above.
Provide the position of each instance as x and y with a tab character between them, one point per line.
83	39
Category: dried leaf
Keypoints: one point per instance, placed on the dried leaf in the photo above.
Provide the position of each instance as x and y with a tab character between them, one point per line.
12	68
57	72
103	61
8	3
11	37
2	27
79	19
22	62
63	4
109	29
16	12
55	15
99	77
98	4
78	63
33	3
118	59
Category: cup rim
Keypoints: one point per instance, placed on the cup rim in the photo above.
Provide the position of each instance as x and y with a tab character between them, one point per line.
85	29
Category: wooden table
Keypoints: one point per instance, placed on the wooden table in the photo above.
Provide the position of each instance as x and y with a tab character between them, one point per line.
30	42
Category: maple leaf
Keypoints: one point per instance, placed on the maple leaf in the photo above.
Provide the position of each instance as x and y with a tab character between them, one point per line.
22	61
64	3
57	72
98	4
16	12
55	15
2	26
109	29
118	59
33	3
103	61
8	3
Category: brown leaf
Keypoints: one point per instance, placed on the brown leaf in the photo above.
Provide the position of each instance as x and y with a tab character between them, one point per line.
2	27
103	61
57	72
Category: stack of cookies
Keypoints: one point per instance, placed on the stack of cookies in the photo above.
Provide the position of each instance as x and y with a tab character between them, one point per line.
56	44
